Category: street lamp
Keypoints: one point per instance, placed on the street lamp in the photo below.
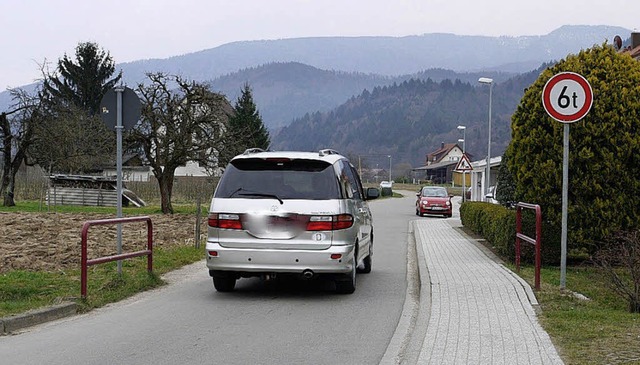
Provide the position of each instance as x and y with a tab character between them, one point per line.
389	169
486	80
463	140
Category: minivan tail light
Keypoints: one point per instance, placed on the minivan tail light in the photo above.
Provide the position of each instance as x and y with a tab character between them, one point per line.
225	221
320	223
329	222
343	221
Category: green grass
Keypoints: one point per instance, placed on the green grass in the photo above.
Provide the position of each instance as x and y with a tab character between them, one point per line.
21	291
595	331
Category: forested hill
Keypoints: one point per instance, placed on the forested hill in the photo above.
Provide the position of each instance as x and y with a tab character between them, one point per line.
287	90
409	119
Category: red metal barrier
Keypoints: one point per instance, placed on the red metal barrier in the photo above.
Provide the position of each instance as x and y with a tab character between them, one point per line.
537	241
86	263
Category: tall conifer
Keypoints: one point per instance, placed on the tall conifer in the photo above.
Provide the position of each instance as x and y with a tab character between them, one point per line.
246	123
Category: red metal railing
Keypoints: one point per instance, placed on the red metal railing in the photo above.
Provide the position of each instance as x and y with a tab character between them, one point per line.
85	263
536	242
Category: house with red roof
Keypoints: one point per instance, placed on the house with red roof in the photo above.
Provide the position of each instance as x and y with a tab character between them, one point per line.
439	164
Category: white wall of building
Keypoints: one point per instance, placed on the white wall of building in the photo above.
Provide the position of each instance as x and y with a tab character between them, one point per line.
478	177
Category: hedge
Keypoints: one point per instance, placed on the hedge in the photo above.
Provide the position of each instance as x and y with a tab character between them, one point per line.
497	225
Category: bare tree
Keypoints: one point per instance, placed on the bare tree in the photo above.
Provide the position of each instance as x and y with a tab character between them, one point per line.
620	259
71	141
16	135
181	121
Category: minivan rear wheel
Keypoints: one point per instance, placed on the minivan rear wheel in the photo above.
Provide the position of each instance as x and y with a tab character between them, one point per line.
224	282
347	285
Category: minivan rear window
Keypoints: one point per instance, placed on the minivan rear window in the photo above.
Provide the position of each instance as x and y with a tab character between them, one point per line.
254	178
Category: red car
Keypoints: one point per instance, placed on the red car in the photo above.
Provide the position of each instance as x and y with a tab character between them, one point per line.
434	200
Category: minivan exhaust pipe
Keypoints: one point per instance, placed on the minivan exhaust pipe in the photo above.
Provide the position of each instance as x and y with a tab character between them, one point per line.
307	274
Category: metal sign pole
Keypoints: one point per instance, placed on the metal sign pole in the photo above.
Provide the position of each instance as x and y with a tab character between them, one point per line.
567	97
565	207
128	108
119	90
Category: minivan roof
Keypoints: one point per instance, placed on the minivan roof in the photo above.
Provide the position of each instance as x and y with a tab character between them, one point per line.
328	156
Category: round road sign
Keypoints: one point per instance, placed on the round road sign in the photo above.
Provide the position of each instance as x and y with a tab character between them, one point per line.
567	97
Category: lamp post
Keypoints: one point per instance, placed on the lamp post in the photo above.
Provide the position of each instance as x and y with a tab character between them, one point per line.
463	140
486	80
389	169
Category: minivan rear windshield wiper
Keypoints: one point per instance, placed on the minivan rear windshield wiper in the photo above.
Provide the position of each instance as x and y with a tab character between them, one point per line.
248	193
263	195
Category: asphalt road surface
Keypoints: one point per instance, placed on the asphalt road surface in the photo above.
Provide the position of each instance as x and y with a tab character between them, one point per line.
275	322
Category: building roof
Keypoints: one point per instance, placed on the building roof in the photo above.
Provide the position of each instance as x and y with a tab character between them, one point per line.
437	155
633	49
434	166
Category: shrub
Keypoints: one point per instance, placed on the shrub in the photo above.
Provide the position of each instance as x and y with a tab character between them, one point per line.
620	258
497	225
604	158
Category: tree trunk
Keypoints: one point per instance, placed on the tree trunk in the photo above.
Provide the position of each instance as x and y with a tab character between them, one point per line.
7	194
9	174
165	183
8	200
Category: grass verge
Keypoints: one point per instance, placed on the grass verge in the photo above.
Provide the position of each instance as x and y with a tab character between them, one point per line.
597	330
21	291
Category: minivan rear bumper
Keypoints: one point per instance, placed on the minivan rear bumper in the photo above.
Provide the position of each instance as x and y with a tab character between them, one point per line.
279	261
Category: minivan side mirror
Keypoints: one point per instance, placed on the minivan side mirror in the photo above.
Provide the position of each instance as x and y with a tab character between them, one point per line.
372	193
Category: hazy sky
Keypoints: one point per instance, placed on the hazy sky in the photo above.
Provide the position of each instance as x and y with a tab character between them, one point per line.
39	30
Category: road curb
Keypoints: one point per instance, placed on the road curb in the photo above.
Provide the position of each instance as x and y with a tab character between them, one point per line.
406	343
17	322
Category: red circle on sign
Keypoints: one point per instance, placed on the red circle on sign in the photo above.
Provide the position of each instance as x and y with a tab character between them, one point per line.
550	107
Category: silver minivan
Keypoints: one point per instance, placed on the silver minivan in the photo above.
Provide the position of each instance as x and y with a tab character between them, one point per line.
290	213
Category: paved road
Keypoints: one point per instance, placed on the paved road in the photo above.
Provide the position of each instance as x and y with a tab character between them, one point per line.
465	309
273	323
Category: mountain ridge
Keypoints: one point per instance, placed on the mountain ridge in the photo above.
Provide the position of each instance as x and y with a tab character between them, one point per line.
383	55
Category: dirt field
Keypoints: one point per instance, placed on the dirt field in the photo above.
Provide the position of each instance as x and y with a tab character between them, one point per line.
51	241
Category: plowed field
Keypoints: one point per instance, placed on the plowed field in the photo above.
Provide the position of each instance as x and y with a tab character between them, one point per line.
52	241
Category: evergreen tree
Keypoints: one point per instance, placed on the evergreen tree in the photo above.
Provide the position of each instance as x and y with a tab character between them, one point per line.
246	124
83	81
